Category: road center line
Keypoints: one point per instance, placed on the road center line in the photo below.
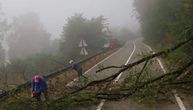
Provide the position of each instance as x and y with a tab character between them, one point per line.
178	99
118	77
99	107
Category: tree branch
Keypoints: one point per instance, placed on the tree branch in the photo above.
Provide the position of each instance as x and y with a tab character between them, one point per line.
167	51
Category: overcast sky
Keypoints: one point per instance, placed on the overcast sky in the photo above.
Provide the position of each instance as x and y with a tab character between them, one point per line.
53	13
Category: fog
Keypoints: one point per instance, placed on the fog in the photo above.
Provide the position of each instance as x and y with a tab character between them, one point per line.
53	13
25	39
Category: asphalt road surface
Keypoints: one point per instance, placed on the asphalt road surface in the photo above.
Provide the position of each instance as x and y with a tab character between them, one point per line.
131	104
129	53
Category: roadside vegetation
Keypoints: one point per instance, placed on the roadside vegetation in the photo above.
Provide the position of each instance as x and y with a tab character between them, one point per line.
166	22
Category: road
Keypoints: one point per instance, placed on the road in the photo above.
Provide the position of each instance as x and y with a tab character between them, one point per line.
116	59
131	104
127	54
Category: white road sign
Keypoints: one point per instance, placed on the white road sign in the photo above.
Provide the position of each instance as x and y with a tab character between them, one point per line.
83	52
82	43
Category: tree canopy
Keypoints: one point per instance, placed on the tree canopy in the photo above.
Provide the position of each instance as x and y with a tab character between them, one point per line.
78	28
165	22
27	36
157	17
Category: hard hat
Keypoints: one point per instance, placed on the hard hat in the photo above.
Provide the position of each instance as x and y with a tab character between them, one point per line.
71	61
37	79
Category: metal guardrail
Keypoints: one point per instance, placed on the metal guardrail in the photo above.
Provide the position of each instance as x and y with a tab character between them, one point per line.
11	92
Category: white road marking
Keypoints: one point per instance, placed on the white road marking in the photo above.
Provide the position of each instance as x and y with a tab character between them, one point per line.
99	107
70	83
159	61
178	99
161	65
118	77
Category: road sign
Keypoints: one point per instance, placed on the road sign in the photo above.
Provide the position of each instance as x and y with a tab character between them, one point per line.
83	52
83	44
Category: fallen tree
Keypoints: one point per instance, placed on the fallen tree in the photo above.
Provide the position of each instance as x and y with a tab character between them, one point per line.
105	89
129	66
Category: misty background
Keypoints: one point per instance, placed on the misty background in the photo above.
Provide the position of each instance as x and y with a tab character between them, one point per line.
41	36
53	13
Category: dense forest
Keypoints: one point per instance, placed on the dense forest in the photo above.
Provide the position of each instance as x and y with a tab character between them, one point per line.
80	28
166	22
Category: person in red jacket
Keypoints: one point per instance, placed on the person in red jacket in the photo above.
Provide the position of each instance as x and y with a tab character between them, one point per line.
38	87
